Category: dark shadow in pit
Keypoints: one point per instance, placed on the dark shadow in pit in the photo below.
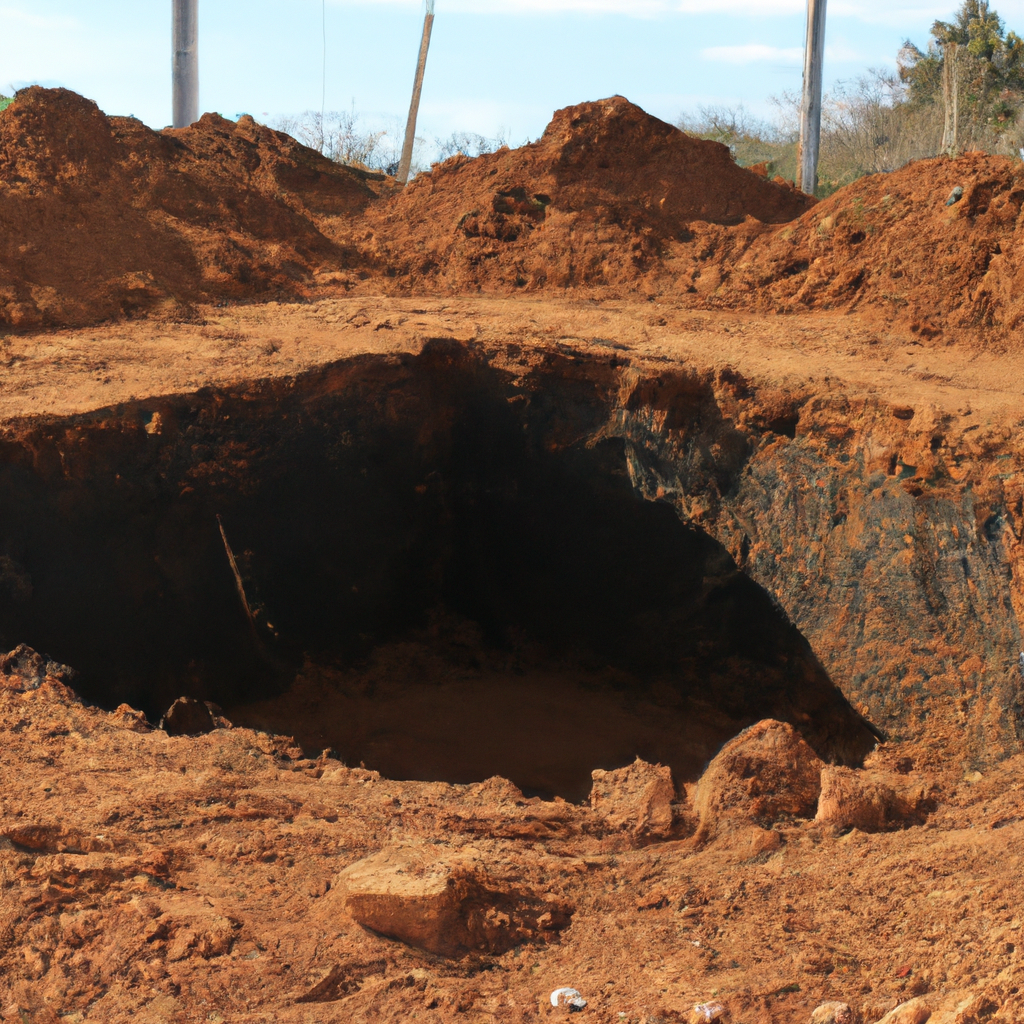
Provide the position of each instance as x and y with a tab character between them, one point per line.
468	590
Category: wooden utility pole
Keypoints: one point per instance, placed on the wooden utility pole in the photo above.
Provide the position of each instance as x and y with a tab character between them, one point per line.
185	65
810	107
417	88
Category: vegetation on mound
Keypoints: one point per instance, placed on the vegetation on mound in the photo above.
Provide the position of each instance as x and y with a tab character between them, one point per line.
971	66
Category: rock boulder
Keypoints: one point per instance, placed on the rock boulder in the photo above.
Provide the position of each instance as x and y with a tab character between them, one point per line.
637	798
766	774
871	801
445	902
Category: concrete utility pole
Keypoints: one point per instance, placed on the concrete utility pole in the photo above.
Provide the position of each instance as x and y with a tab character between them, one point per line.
951	98
185	66
810	107
417	88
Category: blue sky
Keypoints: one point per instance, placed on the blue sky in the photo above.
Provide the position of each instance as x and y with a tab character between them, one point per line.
493	65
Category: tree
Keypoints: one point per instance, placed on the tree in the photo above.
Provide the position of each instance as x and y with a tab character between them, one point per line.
979	30
974	68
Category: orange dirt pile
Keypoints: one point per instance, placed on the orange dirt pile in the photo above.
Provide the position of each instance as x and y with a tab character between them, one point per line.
102	217
890	245
603	198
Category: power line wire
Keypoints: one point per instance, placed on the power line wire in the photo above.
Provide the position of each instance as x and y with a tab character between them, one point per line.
323	78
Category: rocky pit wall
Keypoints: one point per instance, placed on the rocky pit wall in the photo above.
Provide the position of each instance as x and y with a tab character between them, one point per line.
885	535
890	535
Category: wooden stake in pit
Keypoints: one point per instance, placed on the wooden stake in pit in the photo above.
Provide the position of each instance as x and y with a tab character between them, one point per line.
185	65
239	584
417	88
810	107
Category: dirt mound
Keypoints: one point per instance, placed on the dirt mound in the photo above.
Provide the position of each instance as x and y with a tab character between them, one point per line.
102	217
603	198
901	245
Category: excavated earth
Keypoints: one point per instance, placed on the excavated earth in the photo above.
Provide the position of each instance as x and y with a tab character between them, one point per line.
665	589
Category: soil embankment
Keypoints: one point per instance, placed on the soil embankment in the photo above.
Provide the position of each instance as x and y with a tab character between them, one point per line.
932	247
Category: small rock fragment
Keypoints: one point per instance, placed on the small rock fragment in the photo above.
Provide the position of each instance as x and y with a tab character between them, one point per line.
917	1011
568	997
24	669
130	718
832	1013
955	196
704	1013
187	717
637	798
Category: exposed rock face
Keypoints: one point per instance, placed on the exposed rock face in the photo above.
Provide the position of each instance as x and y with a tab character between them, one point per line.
766	774
871	801
637	798
889	533
187	717
445	903
26	669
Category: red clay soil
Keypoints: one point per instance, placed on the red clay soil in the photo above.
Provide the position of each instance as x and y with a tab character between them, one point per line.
603	198
175	880
100	217
103	218
890	245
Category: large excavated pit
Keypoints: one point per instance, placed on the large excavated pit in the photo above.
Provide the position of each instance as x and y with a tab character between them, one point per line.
449	572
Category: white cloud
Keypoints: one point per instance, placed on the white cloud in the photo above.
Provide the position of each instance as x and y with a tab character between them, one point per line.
751	53
878	12
756	7
36	21
634	8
